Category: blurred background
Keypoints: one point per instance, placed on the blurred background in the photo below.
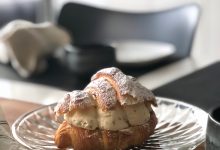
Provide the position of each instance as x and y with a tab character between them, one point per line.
206	42
73	69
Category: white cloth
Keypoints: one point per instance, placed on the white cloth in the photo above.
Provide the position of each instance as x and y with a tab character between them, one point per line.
26	45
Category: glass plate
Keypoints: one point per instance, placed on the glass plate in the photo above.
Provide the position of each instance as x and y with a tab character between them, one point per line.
180	126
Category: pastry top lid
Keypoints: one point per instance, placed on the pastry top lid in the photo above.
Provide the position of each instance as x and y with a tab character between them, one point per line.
74	100
103	92
108	87
126	86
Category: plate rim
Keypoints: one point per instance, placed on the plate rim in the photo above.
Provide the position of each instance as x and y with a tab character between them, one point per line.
19	119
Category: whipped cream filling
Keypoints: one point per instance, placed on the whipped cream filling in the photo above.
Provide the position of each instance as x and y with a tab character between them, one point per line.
115	119
112	119
84	118
137	114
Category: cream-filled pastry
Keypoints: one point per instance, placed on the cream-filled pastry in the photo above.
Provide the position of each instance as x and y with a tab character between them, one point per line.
112	112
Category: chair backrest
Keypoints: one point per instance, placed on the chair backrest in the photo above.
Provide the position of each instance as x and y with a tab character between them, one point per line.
90	25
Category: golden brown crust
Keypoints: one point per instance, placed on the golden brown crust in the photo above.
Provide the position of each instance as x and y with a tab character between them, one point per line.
81	139
62	138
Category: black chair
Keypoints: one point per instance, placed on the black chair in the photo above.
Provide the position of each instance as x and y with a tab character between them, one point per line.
89	25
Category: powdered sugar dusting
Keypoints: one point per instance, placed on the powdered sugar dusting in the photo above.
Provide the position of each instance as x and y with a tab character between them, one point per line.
62	105
104	92
127	85
108	86
80	99
73	100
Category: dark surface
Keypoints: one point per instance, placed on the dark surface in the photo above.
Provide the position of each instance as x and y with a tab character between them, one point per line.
201	88
213	131
61	76
91	25
216	113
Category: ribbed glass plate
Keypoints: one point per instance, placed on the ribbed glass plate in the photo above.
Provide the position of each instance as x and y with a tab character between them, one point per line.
180	126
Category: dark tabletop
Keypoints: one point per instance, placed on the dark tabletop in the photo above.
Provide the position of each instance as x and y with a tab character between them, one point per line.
201	88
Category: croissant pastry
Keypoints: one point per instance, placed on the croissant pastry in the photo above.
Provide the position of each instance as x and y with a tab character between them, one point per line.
113	112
